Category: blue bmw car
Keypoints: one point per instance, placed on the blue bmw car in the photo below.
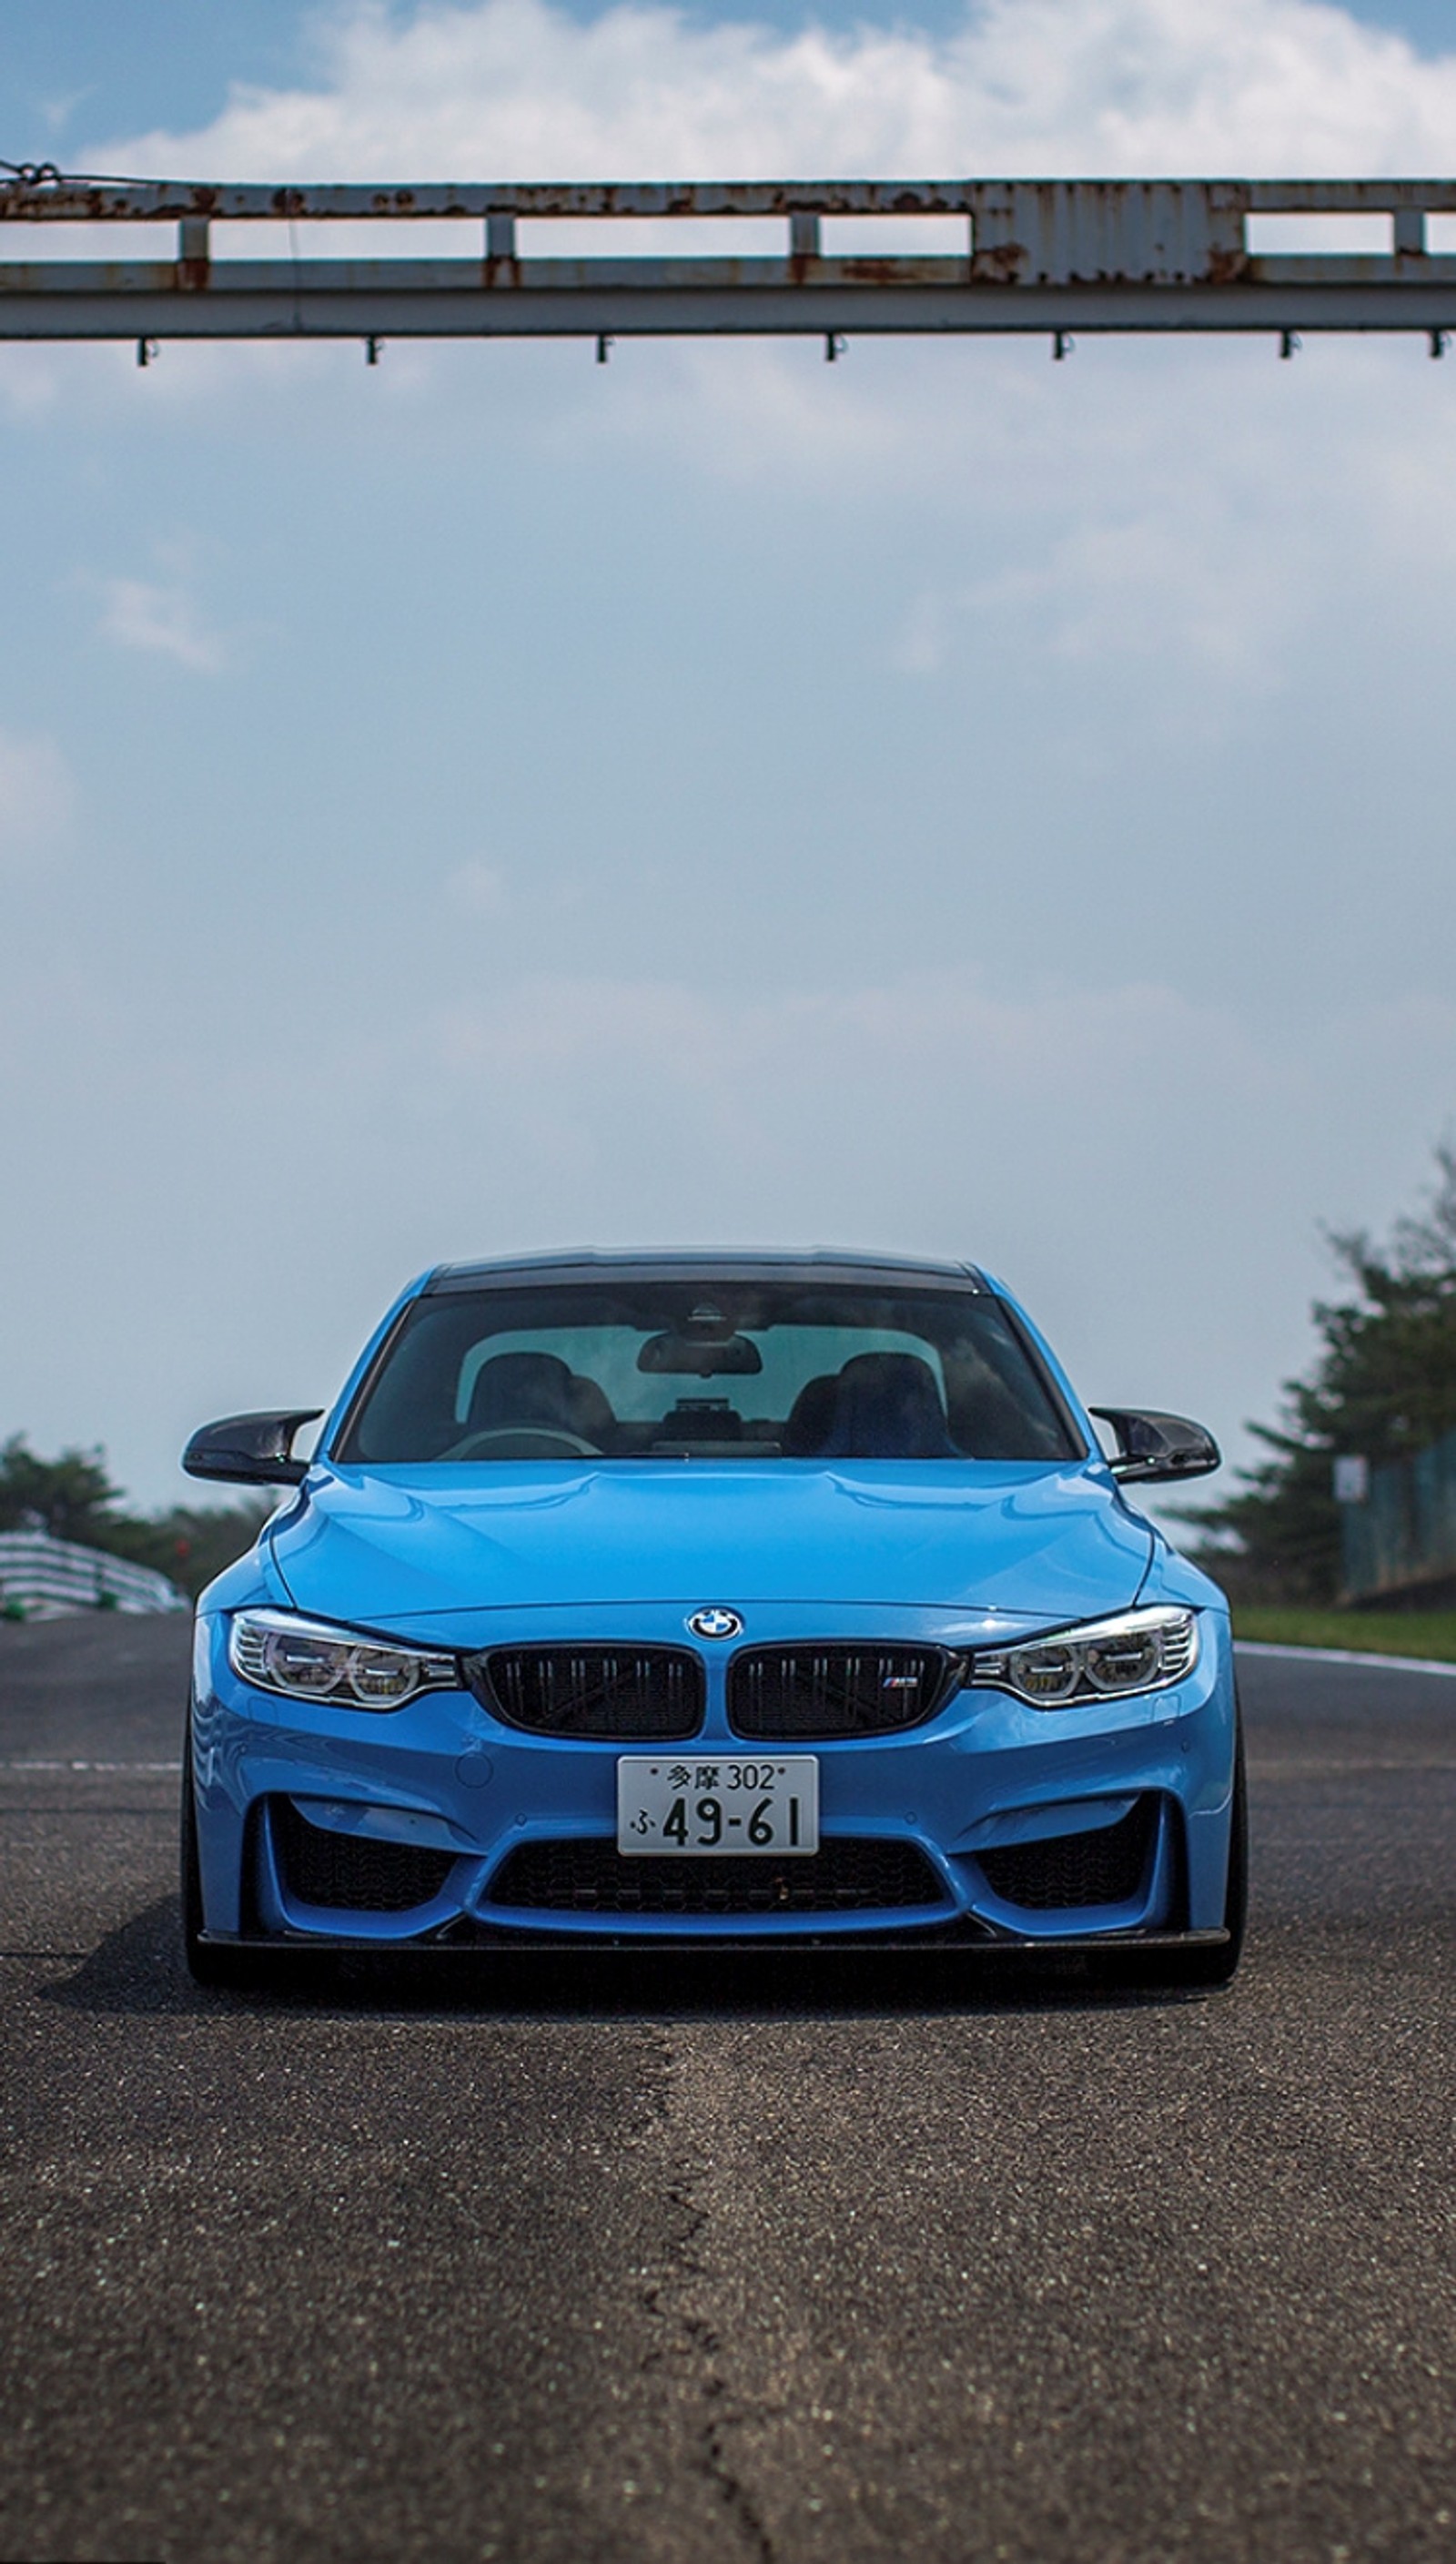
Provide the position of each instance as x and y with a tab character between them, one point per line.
715	1600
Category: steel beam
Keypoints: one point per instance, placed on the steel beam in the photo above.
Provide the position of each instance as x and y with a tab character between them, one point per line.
1056	256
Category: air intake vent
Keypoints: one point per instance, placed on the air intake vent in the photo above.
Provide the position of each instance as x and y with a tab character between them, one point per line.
591	1877
792	1692
351	1871
643	1694
1103	1867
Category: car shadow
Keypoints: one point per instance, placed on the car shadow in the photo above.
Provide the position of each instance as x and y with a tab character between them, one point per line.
138	1970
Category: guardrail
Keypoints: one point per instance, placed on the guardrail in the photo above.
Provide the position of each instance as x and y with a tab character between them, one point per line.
40	1578
1055	255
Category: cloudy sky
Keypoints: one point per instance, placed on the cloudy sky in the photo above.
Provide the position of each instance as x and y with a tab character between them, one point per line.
946	801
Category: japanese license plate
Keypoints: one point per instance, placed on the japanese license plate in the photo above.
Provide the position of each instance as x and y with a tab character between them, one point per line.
689	1804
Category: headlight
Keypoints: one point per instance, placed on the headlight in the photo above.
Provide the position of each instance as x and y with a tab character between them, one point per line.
309	1660
1095	1661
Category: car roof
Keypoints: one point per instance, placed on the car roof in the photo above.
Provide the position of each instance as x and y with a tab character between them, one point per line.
729	1264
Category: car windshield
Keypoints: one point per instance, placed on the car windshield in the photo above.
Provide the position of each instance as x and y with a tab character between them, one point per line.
626	1370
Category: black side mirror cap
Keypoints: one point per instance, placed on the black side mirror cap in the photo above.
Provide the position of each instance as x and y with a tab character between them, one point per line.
250	1451
1153	1446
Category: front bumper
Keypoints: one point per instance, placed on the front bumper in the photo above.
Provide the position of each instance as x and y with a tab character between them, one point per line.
988	1796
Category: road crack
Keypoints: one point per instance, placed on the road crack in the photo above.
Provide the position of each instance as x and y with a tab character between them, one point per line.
694	2351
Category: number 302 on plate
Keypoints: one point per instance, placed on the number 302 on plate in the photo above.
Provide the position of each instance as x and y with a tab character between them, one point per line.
690	1805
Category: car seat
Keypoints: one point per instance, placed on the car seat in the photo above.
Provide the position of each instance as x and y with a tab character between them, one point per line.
810	1417
887	1407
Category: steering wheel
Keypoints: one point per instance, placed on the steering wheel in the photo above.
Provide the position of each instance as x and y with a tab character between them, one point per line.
553	1437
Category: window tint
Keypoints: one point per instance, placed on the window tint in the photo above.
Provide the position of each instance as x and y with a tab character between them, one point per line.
688	1369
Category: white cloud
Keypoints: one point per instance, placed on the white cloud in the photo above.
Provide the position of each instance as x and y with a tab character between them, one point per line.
479	890
928	1056
935	1109
1146	583
919	645
516	90
37	796
57	112
141	614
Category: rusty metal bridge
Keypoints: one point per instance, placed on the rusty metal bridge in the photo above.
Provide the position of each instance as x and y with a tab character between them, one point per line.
1054	256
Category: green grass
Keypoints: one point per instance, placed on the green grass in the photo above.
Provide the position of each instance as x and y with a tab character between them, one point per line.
1380	1633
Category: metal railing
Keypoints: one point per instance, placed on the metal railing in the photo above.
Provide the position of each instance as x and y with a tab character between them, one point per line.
1043	255
40	1578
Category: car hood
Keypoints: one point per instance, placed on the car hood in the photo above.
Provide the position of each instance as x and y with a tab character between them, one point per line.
431	1545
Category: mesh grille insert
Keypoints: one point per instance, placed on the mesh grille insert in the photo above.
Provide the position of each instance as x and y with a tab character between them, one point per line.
835	1690
591	1877
351	1871
642	1692
1103	1867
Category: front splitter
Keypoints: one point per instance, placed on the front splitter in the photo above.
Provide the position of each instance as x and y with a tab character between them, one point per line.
492	1941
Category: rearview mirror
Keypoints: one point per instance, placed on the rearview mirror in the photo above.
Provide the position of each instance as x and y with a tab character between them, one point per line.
699	1356
250	1450
1153	1446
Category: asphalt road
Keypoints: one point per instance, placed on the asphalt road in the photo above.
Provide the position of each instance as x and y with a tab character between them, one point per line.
606	2261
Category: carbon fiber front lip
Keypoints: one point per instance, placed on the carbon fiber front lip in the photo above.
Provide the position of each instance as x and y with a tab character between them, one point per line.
493	1939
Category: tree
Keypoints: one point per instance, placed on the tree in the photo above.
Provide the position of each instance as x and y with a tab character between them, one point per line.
1383	1385
72	1498
191	1544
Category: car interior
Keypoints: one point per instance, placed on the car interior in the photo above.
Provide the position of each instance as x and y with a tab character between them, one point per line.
876	1405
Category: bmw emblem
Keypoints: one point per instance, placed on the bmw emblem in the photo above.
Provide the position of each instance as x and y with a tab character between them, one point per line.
716	1623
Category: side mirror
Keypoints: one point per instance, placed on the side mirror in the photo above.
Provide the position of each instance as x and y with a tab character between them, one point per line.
252	1450
1153	1446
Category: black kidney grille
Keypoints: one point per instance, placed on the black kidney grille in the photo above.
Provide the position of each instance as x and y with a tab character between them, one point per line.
835	1690
351	1871
1103	1867
646	1693
592	1877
